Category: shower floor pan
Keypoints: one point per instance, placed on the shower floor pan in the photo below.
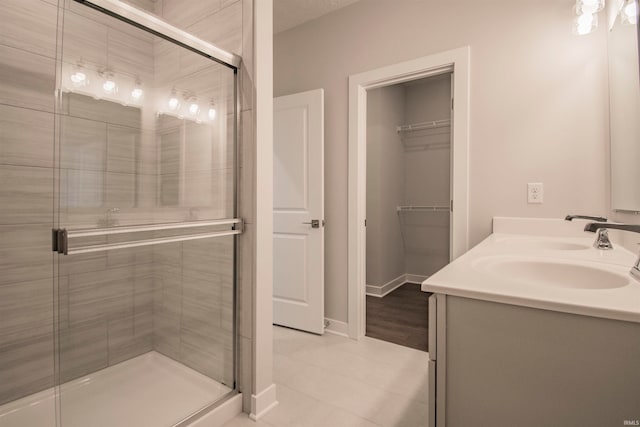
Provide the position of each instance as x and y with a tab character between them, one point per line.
150	390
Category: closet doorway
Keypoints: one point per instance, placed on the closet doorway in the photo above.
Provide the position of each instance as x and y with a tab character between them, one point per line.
427	225
408	191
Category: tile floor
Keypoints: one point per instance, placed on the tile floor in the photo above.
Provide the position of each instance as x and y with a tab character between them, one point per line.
332	381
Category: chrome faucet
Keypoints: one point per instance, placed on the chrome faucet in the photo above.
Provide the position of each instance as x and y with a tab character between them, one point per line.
598	226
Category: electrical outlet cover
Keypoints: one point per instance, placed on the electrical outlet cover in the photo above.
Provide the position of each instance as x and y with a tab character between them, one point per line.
535	192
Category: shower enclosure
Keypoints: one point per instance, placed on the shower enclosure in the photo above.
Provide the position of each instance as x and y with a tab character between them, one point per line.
118	213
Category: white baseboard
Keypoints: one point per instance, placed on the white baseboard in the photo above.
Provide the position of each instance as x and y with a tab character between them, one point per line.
416	278
222	414
336	327
263	402
380	291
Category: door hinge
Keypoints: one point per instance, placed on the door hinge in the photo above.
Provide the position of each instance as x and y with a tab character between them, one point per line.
365	222
451	206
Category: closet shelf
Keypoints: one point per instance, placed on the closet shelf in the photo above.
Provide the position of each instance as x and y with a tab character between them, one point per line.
423	209
424	125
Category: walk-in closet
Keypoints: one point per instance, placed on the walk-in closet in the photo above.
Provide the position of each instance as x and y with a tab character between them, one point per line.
408	203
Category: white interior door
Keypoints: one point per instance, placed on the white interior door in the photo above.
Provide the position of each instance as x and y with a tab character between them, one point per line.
298	211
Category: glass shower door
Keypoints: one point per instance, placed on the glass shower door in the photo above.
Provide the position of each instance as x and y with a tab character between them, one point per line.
146	225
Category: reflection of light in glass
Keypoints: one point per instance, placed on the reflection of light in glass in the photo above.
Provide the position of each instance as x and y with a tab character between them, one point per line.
212	110
173	103
109	86
78	77
629	13
136	93
194	108
589	6
585	23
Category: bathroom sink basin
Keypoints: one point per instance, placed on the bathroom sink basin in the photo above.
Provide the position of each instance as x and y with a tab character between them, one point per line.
559	274
539	244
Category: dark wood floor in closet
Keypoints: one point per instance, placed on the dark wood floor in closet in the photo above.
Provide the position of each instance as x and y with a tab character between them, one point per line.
400	317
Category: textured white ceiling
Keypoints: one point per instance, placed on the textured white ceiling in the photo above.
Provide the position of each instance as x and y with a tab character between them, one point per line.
291	13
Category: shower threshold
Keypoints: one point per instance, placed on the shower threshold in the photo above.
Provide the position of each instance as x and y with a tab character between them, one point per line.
150	390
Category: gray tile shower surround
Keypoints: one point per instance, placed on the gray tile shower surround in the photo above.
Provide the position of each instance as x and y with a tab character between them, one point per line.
175	299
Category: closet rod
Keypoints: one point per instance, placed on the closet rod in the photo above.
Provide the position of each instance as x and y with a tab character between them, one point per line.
423	125
423	208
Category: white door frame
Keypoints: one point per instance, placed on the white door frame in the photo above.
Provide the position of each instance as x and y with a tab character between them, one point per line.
456	61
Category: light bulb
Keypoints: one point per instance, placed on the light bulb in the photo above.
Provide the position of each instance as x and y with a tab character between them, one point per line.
109	85
194	108
212	113
174	103
585	23
136	93
78	77
631	10
589	6
585	20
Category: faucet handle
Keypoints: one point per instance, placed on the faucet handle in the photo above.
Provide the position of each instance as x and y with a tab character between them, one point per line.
635	270
603	241
590	218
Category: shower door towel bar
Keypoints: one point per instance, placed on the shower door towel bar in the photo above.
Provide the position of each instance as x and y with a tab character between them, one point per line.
423	209
61	236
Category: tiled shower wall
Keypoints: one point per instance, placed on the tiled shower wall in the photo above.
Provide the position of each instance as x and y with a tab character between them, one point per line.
176	299
27	82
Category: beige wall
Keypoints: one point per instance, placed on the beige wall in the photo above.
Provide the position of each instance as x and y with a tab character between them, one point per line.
385	185
538	103
427	176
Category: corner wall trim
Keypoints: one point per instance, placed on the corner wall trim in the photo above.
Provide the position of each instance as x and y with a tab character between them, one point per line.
336	327
263	402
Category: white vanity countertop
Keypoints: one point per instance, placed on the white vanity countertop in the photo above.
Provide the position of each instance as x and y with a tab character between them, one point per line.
472	276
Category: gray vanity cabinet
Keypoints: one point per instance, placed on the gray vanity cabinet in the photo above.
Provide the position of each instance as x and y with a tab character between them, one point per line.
493	364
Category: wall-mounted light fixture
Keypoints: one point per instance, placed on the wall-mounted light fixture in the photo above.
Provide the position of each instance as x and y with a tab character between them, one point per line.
174	102
586	20
78	76
629	13
589	6
585	23
137	91
98	82
109	85
194	108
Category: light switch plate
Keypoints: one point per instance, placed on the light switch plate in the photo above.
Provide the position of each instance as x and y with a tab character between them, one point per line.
535	192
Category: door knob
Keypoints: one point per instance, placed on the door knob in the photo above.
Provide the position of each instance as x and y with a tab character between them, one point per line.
315	223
